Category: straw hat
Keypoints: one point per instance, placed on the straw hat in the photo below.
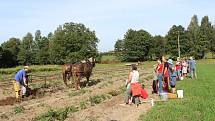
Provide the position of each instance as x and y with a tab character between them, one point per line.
26	68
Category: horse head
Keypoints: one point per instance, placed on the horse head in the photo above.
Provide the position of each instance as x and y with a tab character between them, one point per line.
92	61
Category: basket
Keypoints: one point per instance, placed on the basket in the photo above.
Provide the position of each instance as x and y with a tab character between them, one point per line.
172	96
164	96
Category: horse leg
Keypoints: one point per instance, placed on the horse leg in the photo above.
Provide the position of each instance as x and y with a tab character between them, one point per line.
65	78
78	82
88	79
76	79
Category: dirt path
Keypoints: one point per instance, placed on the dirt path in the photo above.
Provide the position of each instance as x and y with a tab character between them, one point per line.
114	109
111	109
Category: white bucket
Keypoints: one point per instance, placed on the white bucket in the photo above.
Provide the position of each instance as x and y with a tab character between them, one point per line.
180	93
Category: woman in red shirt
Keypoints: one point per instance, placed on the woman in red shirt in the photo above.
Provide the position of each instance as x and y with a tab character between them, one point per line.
159	71
165	74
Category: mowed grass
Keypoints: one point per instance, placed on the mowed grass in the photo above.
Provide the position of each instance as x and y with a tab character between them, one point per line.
198	103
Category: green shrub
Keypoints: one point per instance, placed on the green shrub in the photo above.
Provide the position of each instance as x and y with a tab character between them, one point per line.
72	109
75	93
18	109
60	114
98	99
83	105
48	116
114	92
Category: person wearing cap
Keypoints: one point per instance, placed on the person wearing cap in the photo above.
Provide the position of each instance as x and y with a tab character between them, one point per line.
171	71
170	63
20	82
192	68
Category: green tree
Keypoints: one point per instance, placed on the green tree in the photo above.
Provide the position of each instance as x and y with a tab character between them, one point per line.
26	55
205	37
41	48
119	45
5	56
1	57
136	45
43	52
192	33
212	49
72	42
11	47
172	41
157	49
118	48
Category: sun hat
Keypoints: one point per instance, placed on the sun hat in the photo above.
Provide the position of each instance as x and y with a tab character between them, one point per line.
170	61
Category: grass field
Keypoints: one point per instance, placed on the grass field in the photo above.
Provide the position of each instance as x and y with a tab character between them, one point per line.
198	103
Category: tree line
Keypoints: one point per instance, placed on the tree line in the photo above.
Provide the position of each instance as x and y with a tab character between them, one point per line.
70	42
196	40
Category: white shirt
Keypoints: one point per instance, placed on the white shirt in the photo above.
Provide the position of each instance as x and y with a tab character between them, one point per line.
134	76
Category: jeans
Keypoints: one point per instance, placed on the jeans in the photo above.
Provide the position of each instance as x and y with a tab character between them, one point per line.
193	73
160	80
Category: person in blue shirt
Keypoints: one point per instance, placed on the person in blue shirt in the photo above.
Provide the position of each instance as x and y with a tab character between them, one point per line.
173	78
20	82
192	68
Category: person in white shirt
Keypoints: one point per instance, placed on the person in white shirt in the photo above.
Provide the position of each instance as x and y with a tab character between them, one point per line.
132	78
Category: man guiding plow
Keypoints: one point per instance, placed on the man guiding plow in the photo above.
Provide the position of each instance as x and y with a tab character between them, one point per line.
20	82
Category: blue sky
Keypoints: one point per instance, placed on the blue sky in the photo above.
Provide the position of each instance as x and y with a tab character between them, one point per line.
109	18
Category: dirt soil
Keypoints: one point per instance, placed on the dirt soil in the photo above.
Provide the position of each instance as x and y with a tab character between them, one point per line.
103	81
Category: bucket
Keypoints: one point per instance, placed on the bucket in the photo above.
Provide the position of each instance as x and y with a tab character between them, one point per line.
180	93
164	96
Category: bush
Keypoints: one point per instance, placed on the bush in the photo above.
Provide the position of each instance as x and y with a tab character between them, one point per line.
79	92
114	92
98	99
18	109
60	114
83	104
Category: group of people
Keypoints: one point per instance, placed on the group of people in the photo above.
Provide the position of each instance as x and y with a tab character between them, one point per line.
166	73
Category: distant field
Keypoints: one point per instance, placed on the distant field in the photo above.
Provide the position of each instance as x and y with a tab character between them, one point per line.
109	59
198	103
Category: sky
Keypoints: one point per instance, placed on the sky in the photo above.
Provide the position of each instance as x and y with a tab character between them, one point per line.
110	19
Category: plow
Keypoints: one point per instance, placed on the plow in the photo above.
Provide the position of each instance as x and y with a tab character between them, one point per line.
31	91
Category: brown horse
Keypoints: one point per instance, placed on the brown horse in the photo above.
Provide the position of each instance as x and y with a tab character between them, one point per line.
78	71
